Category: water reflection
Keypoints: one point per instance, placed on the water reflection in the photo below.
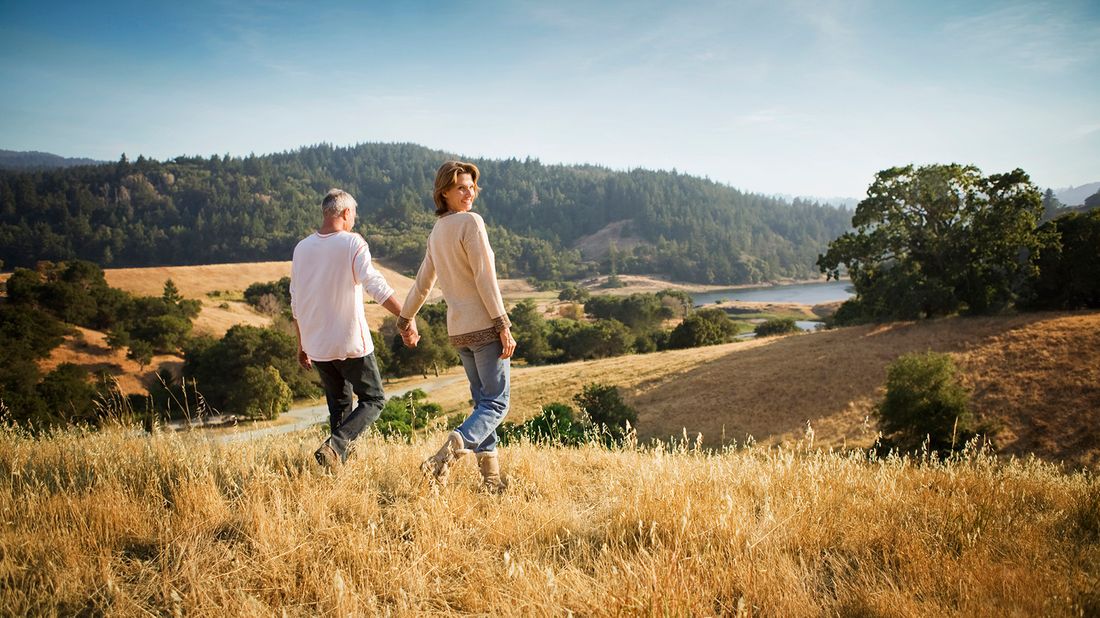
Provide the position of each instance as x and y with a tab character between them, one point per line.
801	293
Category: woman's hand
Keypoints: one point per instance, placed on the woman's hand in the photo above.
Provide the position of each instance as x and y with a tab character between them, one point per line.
410	336
508	343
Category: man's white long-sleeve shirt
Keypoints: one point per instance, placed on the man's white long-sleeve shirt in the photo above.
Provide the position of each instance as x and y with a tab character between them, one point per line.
327	277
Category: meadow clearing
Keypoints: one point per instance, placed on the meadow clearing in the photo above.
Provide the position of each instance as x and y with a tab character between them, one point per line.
115	523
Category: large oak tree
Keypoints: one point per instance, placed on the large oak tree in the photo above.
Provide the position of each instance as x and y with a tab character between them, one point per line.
936	240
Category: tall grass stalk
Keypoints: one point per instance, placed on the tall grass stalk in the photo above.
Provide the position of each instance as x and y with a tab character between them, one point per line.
120	524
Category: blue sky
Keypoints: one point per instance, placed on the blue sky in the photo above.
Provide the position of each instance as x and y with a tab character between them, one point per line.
782	96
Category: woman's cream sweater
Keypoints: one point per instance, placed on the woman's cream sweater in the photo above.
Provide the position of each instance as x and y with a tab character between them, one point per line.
460	257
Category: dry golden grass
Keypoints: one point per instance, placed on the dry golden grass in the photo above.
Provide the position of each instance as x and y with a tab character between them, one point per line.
1040	384
127	525
88	349
199	281
1036	375
533	387
195	281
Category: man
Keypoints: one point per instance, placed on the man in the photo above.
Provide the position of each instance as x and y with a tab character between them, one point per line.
327	276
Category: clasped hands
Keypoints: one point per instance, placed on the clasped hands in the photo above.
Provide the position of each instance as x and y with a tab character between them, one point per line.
410	336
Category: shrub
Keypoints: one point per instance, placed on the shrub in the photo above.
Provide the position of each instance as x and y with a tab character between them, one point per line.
556	424
605	407
571	311
401	416
575	293
924	401
217	365
776	326
278	291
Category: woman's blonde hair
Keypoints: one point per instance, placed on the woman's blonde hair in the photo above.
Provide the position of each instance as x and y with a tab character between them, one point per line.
447	177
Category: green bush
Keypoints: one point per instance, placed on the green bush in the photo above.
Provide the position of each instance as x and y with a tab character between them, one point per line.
574	293
558	423
925	402
218	365
401	416
776	326
609	414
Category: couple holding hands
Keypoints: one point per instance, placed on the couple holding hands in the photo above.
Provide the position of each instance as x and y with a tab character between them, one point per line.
329	272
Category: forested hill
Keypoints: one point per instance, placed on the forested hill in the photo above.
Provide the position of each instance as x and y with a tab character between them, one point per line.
31	160
193	210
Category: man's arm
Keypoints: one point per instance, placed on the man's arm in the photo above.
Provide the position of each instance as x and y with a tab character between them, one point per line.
303	358
365	273
393	305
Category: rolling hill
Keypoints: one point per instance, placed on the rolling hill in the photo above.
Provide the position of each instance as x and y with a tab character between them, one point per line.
1036	377
33	160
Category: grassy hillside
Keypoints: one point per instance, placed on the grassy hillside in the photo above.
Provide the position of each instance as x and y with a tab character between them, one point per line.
1034	376
114	524
218	287
200	281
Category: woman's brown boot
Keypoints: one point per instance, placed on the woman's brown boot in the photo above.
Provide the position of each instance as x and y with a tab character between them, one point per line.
489	464
439	465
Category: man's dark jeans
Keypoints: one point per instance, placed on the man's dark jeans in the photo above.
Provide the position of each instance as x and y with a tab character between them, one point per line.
341	378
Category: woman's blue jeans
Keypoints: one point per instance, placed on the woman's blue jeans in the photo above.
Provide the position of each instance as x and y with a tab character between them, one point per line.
489	383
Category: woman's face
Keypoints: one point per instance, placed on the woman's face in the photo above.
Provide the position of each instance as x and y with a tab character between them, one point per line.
460	196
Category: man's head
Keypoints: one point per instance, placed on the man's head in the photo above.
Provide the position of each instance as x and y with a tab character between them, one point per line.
339	208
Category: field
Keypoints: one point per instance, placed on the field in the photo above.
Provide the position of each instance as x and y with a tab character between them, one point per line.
797	523
120	524
1034	376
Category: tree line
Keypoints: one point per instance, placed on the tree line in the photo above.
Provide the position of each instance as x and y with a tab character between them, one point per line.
222	209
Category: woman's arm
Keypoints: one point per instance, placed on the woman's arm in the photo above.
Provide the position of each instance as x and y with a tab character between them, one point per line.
418	293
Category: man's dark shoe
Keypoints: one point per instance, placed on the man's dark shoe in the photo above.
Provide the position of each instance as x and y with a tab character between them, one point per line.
327	457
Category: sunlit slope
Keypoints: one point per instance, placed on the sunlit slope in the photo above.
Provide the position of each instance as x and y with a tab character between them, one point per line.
218	314
1035	376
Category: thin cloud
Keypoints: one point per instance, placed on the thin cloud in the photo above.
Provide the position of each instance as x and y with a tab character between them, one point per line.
1085	131
1035	35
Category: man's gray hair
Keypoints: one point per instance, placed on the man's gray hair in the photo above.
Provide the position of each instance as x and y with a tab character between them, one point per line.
336	202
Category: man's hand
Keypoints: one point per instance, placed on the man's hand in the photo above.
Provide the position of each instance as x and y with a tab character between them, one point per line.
508	343
303	360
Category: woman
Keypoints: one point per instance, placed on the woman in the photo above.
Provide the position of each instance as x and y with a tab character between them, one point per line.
460	257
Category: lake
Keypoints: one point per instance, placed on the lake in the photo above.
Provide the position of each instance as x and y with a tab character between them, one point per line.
801	293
